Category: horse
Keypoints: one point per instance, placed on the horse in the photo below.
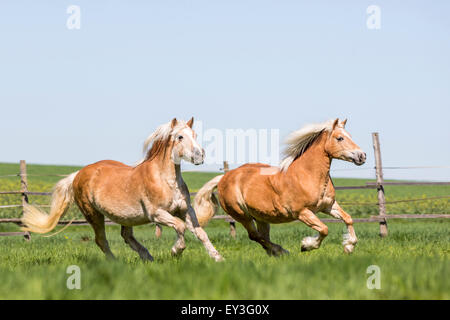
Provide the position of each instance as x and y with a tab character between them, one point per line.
152	191
295	191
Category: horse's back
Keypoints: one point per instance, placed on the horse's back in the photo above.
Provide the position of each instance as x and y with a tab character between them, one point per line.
94	169
100	175
254	165
249	174
110	163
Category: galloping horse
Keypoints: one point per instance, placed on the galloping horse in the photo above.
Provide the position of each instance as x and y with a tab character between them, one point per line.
152	191
297	190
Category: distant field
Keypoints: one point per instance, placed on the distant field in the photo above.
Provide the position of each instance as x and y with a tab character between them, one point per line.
414	259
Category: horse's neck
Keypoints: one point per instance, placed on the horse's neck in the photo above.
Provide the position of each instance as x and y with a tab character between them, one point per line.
163	168
315	162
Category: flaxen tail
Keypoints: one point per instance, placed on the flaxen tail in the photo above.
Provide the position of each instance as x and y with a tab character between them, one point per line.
38	221
205	202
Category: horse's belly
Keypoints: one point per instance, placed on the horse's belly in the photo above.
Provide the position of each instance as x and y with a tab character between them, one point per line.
125	215
128	221
271	216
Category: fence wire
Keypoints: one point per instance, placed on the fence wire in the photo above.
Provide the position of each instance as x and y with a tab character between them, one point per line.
342	203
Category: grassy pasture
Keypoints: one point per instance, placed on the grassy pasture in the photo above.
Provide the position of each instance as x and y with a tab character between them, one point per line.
414	259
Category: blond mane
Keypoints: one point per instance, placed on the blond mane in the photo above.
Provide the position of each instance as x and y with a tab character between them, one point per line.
159	138
299	141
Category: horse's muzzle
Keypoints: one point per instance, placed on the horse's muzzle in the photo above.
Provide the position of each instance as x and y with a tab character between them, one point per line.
198	157
359	158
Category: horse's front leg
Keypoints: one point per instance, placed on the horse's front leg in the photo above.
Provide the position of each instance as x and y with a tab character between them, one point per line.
311	220
163	217
193	226
350	238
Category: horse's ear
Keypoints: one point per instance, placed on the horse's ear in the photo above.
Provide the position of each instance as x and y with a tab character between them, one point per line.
336	122
343	123
173	123
190	123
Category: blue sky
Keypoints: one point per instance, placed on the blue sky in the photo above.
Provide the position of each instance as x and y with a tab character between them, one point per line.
79	96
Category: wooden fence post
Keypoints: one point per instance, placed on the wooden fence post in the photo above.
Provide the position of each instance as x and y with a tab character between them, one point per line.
23	189
226	168
380	181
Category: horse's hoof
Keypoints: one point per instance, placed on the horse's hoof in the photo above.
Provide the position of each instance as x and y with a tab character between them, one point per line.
219	259
349	248
176	254
147	259
278	252
306	248
282	252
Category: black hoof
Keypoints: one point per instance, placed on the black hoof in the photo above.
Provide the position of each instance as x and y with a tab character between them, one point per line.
278	253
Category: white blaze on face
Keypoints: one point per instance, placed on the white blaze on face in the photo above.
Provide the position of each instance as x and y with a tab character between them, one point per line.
188	133
189	148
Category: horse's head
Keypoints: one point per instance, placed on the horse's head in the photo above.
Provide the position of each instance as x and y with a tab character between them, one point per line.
340	145
185	145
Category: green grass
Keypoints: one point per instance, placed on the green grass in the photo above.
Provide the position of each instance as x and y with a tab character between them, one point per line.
414	263
414	259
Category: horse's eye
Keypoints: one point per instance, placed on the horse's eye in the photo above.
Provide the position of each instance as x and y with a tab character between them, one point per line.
340	139
180	138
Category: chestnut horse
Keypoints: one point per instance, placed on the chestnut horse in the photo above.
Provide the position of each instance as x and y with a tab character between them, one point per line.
297	190
152	191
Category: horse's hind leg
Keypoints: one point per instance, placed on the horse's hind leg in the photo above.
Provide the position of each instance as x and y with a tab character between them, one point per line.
264	231
127	235
97	221
260	234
